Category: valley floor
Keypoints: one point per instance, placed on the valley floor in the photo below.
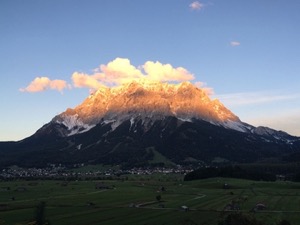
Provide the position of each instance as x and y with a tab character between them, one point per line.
154	199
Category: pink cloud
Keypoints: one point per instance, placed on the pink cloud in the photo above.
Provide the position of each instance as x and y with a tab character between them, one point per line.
196	5
235	43
203	87
44	83
81	80
116	72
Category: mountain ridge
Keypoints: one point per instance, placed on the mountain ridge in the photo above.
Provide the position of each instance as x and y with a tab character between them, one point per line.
146	99
129	124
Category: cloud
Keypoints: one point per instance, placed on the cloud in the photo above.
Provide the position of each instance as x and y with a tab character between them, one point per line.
44	83
274	109
81	80
235	43
196	5
120	71
116	72
165	72
251	98
287	121
208	90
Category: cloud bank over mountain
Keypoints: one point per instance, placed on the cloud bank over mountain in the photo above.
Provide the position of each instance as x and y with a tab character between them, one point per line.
120	71
116	72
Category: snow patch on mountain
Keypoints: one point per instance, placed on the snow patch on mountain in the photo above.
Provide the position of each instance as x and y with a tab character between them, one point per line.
264	131
143	102
271	133
108	121
74	124
185	119
235	125
115	124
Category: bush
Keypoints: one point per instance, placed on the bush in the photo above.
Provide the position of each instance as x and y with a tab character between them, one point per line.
239	219
284	222
230	172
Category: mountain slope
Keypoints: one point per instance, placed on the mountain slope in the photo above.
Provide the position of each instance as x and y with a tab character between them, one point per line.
148	100
130	124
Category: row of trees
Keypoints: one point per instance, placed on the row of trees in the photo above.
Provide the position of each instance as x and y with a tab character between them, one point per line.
230	172
239	219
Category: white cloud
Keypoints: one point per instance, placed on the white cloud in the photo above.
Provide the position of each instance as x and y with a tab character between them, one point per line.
165	72
44	83
235	43
121	71
196	5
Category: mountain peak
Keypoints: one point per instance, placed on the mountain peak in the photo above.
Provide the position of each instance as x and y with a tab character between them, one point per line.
127	125
147	99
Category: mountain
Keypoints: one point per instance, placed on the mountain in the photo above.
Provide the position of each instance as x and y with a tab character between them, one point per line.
145	100
144	123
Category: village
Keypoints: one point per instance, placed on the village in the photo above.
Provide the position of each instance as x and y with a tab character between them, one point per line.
53	171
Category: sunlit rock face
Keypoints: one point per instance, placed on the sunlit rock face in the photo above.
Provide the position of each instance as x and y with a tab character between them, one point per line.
145	100
128	125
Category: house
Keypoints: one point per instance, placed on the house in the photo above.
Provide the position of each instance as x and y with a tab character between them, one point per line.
184	208
132	205
226	186
90	204
258	207
232	206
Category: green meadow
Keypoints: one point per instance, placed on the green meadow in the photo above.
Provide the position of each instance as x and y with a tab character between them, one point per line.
147	200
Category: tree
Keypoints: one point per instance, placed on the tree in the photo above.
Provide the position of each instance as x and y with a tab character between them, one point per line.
40	217
238	219
158	198
284	222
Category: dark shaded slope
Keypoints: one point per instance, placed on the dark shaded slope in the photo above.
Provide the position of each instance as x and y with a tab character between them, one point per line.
128	145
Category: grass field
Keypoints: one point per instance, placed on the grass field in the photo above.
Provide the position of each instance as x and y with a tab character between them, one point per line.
133	201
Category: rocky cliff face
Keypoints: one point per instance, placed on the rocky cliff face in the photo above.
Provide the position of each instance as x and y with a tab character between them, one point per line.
130	125
146	100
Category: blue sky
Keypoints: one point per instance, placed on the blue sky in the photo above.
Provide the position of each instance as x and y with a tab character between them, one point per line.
248	52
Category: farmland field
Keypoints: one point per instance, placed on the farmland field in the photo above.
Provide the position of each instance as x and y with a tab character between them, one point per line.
134	200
